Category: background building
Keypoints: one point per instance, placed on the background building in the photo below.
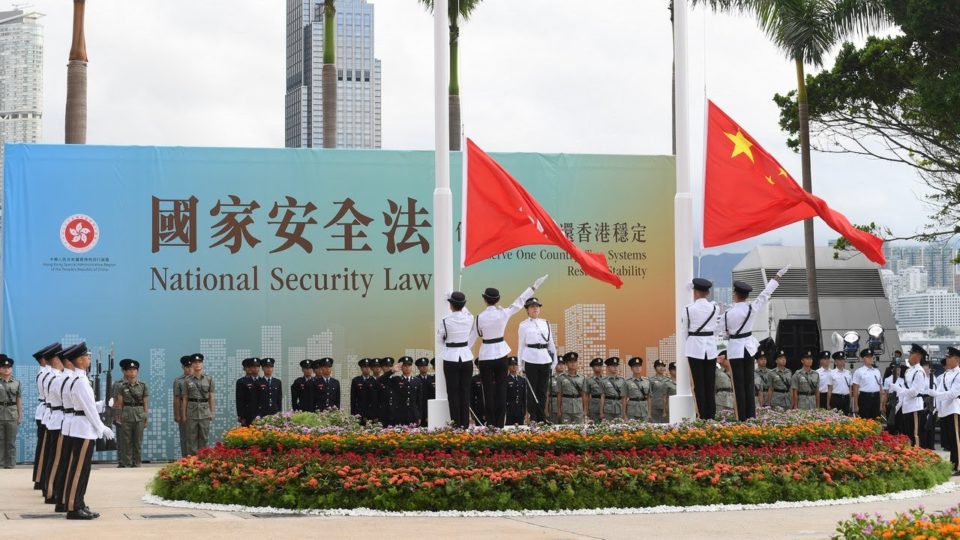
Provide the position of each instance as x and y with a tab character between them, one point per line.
935	260
924	311
358	75
21	79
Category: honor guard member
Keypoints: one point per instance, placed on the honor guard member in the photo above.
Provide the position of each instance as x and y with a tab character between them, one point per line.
865	388
838	391
406	394
43	373
638	392
658	393
197	405
53	420
699	321
60	448
363	392
476	398
516	393
761	379
930	426
595	390
614	399
11	412
671	386
738	322
948	405
804	384
824	372
490	325
550	411
428	389
780	380
301	391
455	337
271	389
248	392
913	386
131	410
724	385
326	391
384	392
889	398
572	389
178	401
537	354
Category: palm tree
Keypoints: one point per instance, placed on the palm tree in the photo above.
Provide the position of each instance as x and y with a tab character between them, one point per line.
458	9
75	129
805	31
329	75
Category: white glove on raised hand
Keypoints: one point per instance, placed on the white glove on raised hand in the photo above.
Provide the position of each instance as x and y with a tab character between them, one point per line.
783	271
107	433
539	281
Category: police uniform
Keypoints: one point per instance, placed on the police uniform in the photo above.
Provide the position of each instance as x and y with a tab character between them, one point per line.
406	392
197	392
131	402
43	373
724	390
363	393
780	381
455	337
178	396
738	322
271	392
53	422
823	374
301	391
761	382
61	448
839	387
699	322
805	384
248	394
428	388
476	399
537	357
326	390
638	394
891	385
384	392
595	391
571	389
658	395
614	390
948	408
516	396
913	386
10	415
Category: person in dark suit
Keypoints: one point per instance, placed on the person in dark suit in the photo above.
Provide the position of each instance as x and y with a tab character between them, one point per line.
428	387
363	392
384	405
248	392
516	394
301	391
271	389
406	392
326	389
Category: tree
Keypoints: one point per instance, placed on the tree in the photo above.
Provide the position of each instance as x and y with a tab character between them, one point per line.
328	81
75	124
805	31
457	9
896	99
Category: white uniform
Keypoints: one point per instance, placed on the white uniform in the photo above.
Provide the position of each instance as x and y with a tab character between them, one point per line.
840	381
703	315
42	391
67	397
87	426
492	323
47	390
55	418
738	321
825	374
947	392
456	328
867	379
911	388
536	332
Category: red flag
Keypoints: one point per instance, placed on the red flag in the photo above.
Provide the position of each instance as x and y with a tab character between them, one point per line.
748	193
500	215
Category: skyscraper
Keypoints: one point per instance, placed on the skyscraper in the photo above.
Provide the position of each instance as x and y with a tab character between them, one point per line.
935	259
21	79
585	330
358	75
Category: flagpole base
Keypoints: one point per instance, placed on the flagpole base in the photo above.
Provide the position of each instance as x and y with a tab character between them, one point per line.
438	413
682	408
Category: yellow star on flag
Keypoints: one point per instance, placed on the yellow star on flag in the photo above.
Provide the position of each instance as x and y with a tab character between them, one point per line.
769	179
740	145
784	173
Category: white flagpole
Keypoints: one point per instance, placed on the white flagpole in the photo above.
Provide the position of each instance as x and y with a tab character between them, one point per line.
682	405
438	412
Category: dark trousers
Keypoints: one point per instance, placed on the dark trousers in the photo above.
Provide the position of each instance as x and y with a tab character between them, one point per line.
913	425
38	455
59	475
704	373
840	402
493	374
950	436
539	377
822	402
78	474
246	421
48	471
458	375
744	388
868	405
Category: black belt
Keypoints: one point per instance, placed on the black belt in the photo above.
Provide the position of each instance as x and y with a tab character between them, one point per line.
805	393
841	395
197	400
41	400
571	395
781	391
79	413
700	334
644	399
10	404
47	404
68	410
458	344
537	345
492	341
597	396
869	393
51	408
741	336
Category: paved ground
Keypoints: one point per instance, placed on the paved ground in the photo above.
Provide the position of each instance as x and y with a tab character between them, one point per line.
116	494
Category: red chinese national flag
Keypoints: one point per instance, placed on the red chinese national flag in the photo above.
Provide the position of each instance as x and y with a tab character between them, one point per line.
500	215
748	193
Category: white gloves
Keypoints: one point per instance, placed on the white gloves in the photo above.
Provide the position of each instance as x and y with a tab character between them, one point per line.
783	271
107	433
539	281
100	406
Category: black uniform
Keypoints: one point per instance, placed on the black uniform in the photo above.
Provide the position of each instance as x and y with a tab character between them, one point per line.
476	398
248	395
428	390
363	394
301	391
326	391
406	393
271	396
384	404
516	399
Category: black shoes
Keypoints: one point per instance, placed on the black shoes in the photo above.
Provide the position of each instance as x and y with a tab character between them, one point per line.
82	513
60	508
50	500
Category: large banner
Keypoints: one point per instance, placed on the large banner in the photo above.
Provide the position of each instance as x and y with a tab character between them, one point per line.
293	254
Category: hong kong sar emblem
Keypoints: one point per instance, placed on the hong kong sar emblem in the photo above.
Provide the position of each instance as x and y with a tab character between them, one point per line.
79	233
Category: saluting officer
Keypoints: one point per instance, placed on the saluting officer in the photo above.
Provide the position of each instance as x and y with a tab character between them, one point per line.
824	372
659	384
406	395
761	378
638	392
948	405
11	412
428	389
326	392
248	392
866	388
595	389
363	392
838	390
476	398
179	399
198	405
301	391
131	408
780	379
804	384
913	386
724	384
614	399
271	389
699	321
43	373
516	393
572	392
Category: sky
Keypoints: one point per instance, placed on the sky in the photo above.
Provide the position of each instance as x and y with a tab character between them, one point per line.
536	76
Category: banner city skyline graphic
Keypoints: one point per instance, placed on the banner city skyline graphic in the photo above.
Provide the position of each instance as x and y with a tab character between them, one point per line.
297	254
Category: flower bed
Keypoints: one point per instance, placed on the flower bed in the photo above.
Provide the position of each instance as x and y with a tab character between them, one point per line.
283	462
916	523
